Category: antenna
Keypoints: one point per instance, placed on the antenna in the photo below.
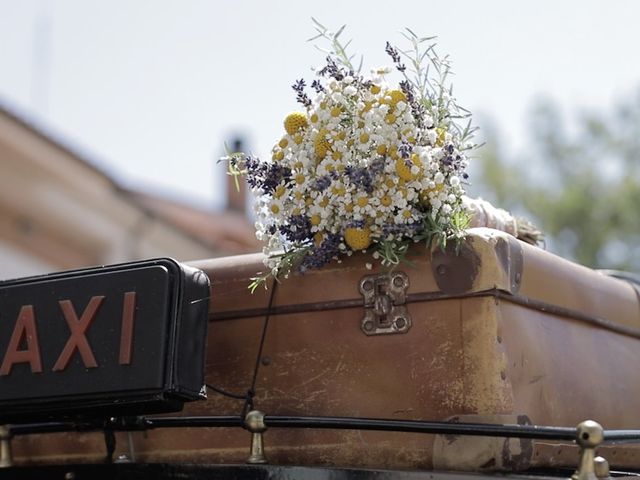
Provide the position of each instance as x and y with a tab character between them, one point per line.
40	72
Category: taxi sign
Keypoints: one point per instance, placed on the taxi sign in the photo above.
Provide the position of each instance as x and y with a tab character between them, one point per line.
122	339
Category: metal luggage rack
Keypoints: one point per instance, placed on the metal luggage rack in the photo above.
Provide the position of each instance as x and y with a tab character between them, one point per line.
588	435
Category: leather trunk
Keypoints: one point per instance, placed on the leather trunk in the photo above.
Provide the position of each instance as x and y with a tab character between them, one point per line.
498	331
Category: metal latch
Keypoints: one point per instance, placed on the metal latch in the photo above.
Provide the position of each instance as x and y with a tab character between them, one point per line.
384	303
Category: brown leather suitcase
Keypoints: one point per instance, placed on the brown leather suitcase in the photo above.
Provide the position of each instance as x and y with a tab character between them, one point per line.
498	332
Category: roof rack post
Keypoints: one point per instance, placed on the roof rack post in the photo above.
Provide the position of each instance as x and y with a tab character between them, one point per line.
589	435
254	422
6	460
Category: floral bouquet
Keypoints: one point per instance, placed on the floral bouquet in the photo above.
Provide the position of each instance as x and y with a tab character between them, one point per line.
367	164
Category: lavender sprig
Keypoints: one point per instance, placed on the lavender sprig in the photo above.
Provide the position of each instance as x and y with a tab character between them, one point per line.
265	176
317	86
332	69
301	96
417	108
322	254
395	56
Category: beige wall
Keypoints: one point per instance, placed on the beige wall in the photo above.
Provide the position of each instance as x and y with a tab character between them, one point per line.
58	212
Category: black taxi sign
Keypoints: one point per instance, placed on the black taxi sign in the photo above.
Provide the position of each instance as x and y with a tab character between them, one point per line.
122	339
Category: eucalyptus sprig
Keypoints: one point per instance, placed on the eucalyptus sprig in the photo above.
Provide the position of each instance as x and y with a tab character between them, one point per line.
435	94
337	49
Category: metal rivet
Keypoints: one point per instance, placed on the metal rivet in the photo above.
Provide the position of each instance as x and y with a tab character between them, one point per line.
441	270
368	285
265	361
368	325
398	281
69	476
400	323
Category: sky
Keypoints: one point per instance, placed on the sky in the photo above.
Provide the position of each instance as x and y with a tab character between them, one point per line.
151	90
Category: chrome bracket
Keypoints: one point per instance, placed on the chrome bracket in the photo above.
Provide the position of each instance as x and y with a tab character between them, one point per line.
385	311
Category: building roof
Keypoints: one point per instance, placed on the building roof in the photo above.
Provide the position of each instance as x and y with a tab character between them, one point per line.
227	231
223	232
56	140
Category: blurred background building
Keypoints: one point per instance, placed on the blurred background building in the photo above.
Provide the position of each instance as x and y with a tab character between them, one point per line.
154	88
59	211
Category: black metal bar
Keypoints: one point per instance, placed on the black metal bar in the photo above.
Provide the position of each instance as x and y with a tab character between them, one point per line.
341	423
418	426
52	427
179	422
622	436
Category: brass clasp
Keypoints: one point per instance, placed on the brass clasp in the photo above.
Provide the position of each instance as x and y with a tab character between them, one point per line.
385	296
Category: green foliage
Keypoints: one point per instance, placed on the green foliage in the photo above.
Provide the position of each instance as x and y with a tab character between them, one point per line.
582	189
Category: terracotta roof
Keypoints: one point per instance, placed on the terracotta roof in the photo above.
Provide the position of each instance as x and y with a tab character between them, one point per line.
229	232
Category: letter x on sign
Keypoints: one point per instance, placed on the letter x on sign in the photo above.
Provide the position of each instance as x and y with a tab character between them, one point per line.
77	340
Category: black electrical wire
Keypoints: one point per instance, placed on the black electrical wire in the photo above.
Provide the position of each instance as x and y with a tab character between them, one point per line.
248	397
248	404
225	393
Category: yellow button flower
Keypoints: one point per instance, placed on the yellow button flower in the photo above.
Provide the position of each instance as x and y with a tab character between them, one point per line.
321	144
357	238
403	170
392	97
295	121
